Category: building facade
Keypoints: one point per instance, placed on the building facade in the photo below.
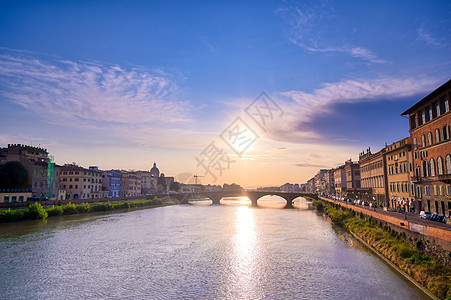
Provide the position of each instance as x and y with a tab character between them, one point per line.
339	180
352	171
398	165
43	174
131	184
81	183
148	183
14	195
430	121
112	182
374	176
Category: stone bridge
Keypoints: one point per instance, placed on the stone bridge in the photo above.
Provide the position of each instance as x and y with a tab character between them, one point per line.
252	195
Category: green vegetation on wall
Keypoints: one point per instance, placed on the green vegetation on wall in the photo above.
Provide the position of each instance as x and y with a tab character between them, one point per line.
393	245
36	211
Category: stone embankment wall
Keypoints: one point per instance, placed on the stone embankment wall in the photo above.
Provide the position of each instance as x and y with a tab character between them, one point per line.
435	241
65	202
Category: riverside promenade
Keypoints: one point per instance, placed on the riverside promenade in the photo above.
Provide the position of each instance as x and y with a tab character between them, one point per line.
438	233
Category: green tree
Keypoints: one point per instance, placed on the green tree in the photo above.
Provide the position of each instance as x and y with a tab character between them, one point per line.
16	173
175	186
232	187
5	182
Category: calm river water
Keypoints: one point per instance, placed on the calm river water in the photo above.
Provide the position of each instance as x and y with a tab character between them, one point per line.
229	251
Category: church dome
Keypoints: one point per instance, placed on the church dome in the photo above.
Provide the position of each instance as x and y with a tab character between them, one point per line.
154	172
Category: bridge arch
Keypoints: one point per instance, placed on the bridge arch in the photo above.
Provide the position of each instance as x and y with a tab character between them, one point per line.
195	197
242	200
276	201
254	196
300	197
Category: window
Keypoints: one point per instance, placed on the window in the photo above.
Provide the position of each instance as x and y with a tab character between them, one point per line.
439	165
423	141
413	122
430	116
444	104
437	136
415	146
418	191
437	109
422	117
432	163
424	169
445	132
430	138
448	164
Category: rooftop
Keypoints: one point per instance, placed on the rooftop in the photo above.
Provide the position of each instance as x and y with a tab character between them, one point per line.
429	97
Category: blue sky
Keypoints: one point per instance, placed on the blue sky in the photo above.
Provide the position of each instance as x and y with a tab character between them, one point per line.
121	84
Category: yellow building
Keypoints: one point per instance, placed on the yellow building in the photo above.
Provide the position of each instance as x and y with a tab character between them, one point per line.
398	165
81	183
14	195
373	176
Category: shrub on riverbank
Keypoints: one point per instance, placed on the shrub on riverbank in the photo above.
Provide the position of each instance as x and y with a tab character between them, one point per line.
423	268
318	204
70	209
11	215
36	211
33	212
55	211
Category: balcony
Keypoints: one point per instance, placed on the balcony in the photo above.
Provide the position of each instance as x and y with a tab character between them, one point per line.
415	179
446	178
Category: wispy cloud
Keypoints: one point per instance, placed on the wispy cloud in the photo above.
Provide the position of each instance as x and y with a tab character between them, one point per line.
302	107
90	92
6	138
345	140
133	103
309	28
357	90
310	165
426	37
358	52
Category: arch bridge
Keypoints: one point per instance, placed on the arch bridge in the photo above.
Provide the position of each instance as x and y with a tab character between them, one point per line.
252	195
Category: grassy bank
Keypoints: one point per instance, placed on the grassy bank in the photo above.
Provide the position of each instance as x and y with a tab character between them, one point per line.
35	211
394	246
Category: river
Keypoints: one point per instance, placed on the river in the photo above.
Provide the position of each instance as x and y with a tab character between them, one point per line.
230	251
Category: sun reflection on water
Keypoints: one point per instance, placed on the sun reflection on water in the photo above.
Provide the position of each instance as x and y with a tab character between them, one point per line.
244	260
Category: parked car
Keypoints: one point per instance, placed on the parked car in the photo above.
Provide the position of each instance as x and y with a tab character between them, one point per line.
425	214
